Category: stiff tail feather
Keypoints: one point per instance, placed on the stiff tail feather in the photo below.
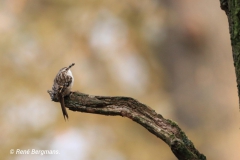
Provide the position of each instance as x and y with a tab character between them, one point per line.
64	111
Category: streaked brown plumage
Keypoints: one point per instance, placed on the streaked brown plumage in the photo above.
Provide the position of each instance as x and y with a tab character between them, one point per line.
62	85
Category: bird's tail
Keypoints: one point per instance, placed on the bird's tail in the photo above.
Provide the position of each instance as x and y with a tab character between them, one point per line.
64	111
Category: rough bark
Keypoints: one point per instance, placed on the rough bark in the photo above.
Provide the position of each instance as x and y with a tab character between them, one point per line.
164	129
232	10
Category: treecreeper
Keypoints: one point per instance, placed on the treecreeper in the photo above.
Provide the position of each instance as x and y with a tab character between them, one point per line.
62	86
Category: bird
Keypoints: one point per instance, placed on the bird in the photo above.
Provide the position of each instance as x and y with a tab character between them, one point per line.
62	86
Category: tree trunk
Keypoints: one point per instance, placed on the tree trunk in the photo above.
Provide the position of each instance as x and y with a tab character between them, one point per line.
232	10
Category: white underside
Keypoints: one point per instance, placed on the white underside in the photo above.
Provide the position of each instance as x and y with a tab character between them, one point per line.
69	73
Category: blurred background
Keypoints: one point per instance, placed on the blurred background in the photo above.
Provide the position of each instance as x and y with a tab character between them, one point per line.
173	56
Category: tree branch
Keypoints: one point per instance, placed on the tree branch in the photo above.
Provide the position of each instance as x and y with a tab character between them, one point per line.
164	129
